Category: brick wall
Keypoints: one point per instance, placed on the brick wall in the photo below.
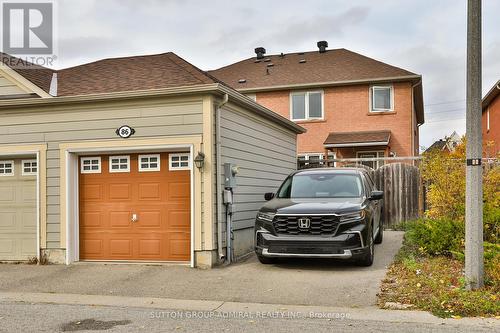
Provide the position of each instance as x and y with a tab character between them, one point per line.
493	134
346	110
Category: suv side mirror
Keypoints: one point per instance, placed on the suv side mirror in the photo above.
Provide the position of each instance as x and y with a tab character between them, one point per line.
268	196
376	195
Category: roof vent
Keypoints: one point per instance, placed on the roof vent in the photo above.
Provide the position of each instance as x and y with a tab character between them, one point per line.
270	65
267	59
322	45
242	81
260	51
302	61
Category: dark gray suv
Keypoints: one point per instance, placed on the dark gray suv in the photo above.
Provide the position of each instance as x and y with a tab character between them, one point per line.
321	213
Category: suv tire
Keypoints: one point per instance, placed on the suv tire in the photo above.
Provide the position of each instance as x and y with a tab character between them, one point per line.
367	259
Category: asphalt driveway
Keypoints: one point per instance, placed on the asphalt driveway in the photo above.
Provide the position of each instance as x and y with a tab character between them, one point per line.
301	282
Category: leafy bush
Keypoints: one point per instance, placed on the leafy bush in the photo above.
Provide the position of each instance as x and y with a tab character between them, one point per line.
444	176
435	237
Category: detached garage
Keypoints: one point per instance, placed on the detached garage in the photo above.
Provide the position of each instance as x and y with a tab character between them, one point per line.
125	160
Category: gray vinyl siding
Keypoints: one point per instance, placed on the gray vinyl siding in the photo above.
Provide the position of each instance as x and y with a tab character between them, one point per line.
265	153
9	88
151	119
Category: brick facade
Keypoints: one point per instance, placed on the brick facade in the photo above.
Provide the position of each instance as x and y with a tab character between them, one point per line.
493	133
347	109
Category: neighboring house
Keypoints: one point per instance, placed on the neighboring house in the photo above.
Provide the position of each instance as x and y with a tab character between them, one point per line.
448	144
491	121
74	186
351	105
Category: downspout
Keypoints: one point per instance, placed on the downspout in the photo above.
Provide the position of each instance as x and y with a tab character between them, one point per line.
413	114
217	176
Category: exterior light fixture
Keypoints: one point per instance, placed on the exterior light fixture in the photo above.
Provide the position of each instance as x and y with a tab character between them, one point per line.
199	160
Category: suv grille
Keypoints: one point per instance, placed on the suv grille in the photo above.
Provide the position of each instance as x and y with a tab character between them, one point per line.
320	225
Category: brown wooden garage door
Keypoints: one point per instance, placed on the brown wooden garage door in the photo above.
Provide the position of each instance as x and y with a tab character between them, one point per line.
135	207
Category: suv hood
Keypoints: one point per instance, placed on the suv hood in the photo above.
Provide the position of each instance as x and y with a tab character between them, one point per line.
313	206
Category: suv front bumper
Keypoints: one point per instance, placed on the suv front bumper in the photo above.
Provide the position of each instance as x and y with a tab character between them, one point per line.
346	245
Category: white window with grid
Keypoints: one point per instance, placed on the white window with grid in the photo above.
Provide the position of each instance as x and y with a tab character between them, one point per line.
179	161
119	164
90	165
149	163
30	167
6	168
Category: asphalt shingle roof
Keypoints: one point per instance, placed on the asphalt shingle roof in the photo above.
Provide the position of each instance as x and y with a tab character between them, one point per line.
336	65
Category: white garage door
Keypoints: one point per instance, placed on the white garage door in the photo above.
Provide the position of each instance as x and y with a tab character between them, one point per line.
18	209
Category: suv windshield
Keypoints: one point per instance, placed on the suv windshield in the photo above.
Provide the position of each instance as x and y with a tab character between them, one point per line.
322	185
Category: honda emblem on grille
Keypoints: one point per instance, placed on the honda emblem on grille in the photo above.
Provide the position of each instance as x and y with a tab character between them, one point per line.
304	223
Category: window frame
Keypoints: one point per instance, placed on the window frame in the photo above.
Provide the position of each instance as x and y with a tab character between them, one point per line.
306	101
13	168
31	173
149	156
488	119
99	165
376	152
119	170
372	97
179	168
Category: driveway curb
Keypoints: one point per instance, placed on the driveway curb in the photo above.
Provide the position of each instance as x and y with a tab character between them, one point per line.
269	310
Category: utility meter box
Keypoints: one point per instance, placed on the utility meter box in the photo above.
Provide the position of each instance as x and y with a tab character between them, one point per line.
230	172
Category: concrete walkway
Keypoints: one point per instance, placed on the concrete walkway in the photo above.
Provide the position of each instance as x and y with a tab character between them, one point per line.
300	282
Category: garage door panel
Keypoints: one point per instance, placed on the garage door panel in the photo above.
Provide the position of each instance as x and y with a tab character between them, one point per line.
29	194
151	248
120	219
28	246
28	219
178	191
161	201
90	219
7	194
120	192
179	246
7	247
179	218
91	192
121	247
7	221
149	219
93	248
149	191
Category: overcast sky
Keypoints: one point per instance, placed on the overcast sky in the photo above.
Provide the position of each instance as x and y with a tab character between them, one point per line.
427	37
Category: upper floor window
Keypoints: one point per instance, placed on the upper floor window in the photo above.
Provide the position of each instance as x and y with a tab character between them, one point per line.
307	105
382	98
488	118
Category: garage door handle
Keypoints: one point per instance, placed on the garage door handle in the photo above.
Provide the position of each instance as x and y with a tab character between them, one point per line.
135	218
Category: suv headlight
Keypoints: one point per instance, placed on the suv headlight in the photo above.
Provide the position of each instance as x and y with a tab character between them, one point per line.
353	216
268	217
